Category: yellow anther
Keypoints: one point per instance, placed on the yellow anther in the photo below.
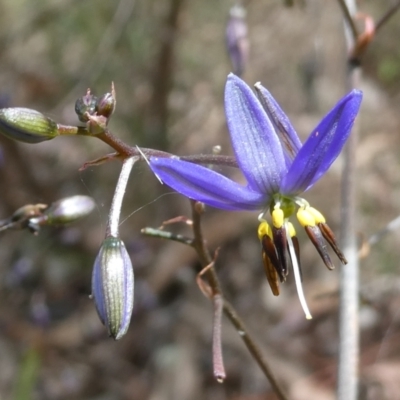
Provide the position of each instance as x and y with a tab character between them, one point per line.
305	217
278	218
319	218
264	230
292	231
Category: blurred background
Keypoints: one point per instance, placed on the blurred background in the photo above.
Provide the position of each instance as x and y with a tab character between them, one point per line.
169	62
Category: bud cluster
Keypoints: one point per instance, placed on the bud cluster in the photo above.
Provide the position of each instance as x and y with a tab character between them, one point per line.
96	111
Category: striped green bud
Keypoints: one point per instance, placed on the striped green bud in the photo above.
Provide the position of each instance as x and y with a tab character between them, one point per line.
112	286
26	125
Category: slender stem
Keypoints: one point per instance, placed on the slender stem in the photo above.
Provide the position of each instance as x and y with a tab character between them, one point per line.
129	151
72	130
124	150
158	233
115	210
348	16
253	348
349	275
388	14
229	310
390	227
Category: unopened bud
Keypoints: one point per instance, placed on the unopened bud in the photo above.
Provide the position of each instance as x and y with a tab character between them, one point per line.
85	105
26	125
68	210
106	105
237	40
112	286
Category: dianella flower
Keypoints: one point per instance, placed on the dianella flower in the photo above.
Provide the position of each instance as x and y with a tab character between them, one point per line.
278	169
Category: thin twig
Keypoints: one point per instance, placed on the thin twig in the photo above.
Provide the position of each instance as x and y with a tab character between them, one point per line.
158	233
390	227
129	151
388	14
349	18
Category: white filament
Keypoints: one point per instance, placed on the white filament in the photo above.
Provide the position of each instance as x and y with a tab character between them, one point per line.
297	276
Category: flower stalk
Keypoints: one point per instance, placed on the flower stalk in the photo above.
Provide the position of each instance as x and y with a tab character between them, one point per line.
112	277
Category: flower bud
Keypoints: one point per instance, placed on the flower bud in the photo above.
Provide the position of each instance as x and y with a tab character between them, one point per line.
106	105
26	125
68	210
112	286
237	40
85	105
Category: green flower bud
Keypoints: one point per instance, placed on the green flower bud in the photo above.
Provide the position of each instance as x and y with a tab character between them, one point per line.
26	125
112	286
106	105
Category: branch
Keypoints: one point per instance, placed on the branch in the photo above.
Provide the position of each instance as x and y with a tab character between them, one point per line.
388	14
349	19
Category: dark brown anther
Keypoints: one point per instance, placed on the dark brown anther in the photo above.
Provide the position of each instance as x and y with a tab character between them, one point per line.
330	238
281	245
270	251
271	273
318	241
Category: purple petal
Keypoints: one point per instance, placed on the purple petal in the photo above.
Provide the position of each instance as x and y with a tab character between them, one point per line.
203	184
286	133
323	145
254	140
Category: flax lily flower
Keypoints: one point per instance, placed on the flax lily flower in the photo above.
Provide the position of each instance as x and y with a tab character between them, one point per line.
277	167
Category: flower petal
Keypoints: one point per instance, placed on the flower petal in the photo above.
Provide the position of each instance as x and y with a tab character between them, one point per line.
203	184
323	145
286	133
254	140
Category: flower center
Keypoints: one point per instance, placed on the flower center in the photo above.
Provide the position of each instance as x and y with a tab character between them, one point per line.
280	246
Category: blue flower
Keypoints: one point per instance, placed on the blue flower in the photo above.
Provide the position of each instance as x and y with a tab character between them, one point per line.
277	167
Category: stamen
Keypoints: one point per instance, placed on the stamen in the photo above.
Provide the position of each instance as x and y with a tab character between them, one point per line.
301	202
271	273
280	243
270	250
297	276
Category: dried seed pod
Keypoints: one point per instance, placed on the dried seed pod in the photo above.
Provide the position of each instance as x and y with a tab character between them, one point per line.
26	125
